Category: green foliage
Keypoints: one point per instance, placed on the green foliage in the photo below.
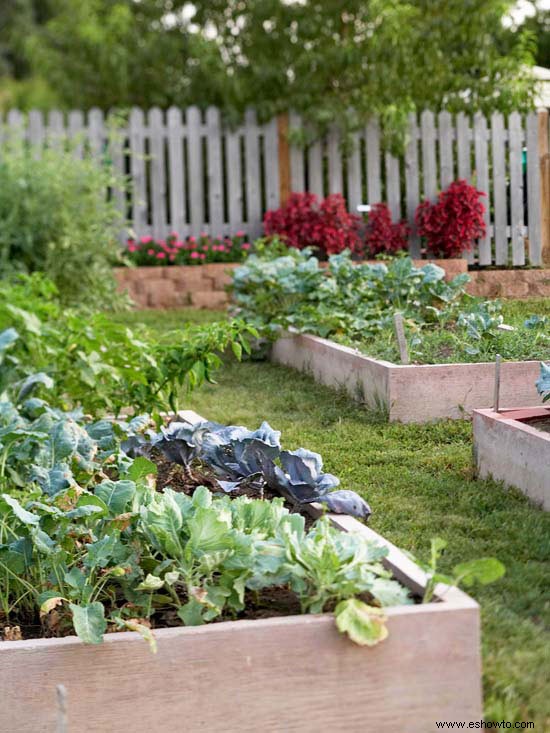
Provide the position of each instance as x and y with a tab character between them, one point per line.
99	363
329	63
355	304
419	481
87	551
335	64
55	218
482	570
118	54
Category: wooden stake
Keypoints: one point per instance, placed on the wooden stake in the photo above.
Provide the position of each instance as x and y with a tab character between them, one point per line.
284	158
401	340
61	692
496	399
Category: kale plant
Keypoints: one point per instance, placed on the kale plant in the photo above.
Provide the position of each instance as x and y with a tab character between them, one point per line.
240	457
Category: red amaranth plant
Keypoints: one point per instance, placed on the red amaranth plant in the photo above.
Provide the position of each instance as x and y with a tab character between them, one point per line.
452	224
303	222
383	235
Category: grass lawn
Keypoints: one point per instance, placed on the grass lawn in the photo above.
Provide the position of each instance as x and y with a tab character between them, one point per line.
419	482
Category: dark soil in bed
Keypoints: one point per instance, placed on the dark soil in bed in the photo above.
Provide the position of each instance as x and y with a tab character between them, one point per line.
539	423
178	478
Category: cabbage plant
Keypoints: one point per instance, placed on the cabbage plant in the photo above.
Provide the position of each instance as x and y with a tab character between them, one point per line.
239	457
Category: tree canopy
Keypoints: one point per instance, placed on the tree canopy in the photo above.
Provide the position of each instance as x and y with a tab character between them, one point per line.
330	61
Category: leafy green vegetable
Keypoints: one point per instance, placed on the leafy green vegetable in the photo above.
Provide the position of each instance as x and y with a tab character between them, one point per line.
89	622
364	624
354	303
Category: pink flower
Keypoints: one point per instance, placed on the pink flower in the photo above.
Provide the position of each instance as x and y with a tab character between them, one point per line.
172	258
161	255
194	255
192	239
130	241
178	244
151	252
240	233
204	235
245	245
132	248
174	235
146	240
202	256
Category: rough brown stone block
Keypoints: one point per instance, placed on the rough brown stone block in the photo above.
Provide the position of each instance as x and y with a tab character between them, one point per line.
209	299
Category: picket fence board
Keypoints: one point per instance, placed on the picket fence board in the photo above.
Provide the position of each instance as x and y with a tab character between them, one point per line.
190	172
374	187
533	190
412	183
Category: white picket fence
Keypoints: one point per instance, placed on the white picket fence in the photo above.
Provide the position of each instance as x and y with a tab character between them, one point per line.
190	173
439	150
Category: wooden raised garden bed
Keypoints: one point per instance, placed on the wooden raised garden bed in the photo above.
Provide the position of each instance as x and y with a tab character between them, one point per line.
509	447
412	393
294	673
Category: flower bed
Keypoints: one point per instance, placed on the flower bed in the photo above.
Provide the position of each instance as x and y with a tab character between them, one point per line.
513	446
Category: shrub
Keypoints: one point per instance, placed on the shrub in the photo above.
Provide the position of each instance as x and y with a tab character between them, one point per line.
382	235
55	217
452	224
303	222
99	363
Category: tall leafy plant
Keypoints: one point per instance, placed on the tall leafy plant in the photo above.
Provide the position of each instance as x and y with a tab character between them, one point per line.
56	217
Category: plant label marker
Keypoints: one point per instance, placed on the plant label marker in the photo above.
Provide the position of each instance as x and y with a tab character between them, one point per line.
497	383
401	340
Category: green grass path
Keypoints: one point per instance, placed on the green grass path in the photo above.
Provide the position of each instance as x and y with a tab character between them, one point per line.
419	482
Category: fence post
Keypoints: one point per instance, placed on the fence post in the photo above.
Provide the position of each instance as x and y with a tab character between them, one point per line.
284	158
544	162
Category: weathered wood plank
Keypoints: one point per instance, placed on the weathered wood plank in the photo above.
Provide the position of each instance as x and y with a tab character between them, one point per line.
355	194
446	144
96	133
393	192
178	219
515	133
194	160
482	183
234	180
533	190
429	163
372	137
158	173
499	189
412	183
253	175
463	148
215	170
335	179
137	170
297	168
55	132
117	147
315	168
76	132
271	157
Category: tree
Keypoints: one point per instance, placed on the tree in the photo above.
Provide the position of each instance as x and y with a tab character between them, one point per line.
340	62
119	53
332	62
